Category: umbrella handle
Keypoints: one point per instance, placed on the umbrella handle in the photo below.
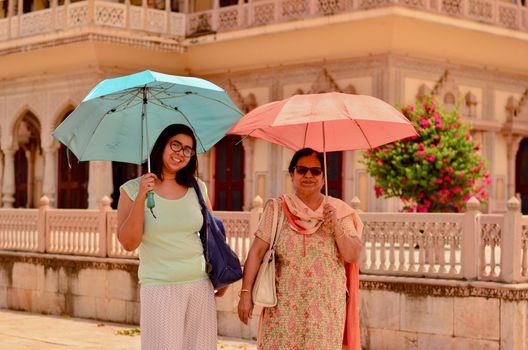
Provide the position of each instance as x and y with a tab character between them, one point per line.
150	200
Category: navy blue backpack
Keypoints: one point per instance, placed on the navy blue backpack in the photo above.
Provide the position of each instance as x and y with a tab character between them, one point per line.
222	263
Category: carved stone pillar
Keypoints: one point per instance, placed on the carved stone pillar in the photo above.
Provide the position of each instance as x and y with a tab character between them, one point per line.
49	186
249	173
8	186
1	176
513	142
100	182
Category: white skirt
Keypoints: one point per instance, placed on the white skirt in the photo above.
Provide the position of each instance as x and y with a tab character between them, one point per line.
178	317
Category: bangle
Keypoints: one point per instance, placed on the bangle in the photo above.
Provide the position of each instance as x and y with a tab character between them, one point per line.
242	291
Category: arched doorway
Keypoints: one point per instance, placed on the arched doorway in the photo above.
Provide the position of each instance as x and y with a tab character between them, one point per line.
229	174
72	185
28	153
334	162
121	173
521	176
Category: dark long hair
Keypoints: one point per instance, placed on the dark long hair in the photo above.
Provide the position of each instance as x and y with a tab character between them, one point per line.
304	152
185	176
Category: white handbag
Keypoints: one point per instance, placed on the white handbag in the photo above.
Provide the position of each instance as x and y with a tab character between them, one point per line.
264	291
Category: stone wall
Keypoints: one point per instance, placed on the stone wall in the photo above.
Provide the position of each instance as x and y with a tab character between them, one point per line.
105	289
396	312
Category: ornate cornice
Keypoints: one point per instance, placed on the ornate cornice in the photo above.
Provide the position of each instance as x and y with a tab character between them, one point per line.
137	41
460	290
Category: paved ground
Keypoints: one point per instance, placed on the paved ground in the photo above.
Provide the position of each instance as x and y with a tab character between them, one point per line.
27	331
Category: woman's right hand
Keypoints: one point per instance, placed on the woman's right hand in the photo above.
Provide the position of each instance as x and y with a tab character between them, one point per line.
245	307
146	185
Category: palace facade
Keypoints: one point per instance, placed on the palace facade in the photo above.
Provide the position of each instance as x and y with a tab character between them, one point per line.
470	52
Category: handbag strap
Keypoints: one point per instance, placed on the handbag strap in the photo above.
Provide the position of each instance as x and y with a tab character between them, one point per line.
277	220
204	208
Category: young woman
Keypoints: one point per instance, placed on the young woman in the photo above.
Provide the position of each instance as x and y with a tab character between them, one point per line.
178	310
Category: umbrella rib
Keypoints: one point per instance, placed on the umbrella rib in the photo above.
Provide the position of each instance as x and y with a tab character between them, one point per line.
206	97
162	104
99	123
348	115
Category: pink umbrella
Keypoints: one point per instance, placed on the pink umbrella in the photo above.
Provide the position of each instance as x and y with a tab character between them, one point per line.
326	122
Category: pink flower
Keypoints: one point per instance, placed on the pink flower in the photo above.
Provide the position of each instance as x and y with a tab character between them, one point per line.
431	158
439	180
455	126
447	178
425	123
378	191
421	153
379	160
460	175
385	150
469	137
476	148
474	169
421	146
450	170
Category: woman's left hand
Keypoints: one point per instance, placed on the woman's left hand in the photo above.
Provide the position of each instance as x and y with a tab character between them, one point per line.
220	292
329	217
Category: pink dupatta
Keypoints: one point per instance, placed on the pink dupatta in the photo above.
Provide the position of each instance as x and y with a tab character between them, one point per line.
307	221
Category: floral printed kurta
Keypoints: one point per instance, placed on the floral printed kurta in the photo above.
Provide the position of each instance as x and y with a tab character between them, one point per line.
311	290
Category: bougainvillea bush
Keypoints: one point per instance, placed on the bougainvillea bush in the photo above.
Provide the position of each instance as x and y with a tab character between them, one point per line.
437	171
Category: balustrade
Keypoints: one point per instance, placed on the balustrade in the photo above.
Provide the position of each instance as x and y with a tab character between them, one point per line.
470	246
264	12
244	15
93	13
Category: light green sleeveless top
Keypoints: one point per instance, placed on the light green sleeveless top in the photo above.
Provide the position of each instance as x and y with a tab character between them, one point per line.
170	250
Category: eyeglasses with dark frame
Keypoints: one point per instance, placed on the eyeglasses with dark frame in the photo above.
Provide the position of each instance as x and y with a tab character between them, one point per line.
176	146
302	170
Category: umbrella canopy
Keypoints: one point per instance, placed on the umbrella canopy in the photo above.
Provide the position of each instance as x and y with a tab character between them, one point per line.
121	118
326	122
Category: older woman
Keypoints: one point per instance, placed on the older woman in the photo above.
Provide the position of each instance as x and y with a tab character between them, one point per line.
316	244
178	310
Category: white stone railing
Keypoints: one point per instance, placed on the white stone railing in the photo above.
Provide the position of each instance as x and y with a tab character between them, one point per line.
93	13
258	13
470	246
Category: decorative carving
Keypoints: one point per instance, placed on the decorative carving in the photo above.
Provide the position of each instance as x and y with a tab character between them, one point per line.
522	108
350	89
512	108
423	91
246	104
471	105
324	83
447	91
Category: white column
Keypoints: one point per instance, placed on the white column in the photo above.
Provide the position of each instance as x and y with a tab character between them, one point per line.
10	10
249	173
513	143
49	186
20	11
1	176
100	182
29	178
53	6
8	186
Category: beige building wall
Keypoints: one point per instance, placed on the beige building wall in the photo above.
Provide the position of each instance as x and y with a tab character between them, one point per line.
392	52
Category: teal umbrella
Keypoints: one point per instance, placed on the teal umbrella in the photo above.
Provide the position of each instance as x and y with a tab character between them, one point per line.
121	118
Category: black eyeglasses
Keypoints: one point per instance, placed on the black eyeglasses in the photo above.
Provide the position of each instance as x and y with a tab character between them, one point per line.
302	170
176	146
